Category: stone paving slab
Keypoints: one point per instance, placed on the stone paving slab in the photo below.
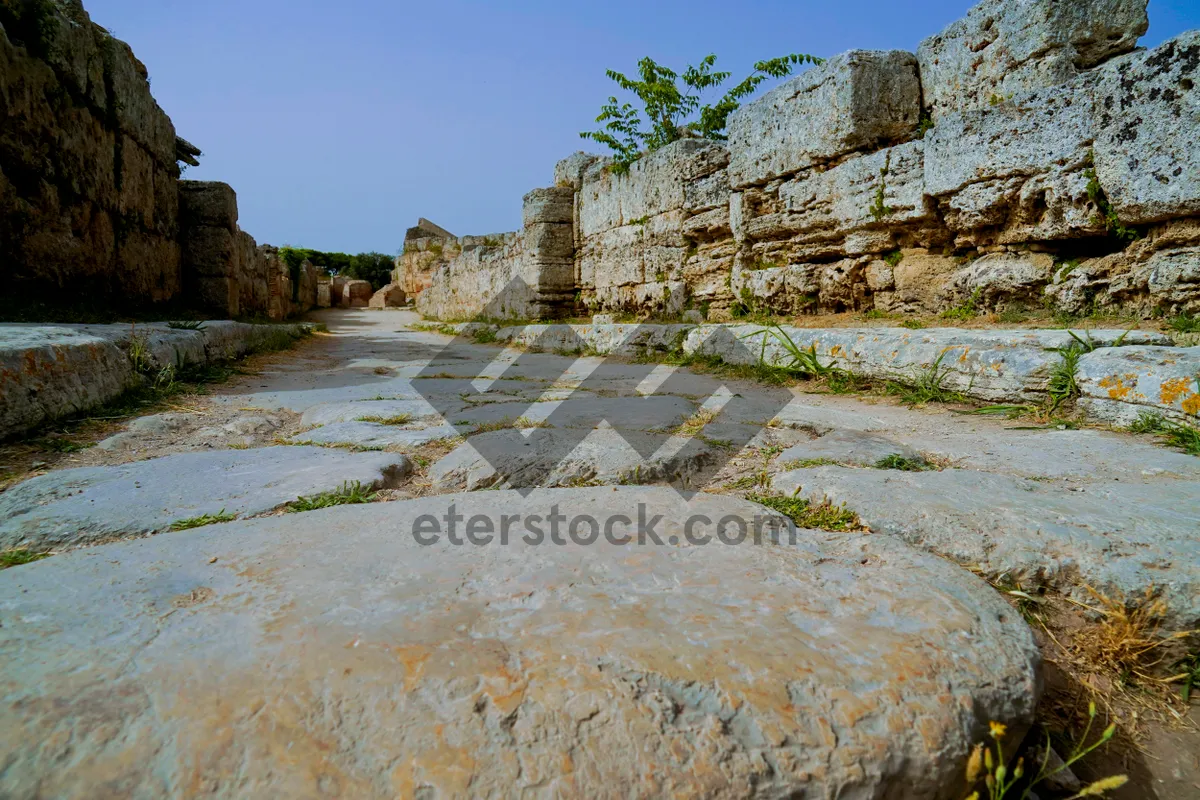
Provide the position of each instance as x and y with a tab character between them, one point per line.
1118	384
1120	535
88	505
51	371
328	654
373	434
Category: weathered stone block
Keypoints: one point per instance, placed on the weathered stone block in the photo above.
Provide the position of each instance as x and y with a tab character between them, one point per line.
1147	118
654	185
1006	47
209	203
209	251
570	171
1035	133
854	101
357	294
848	197
553	204
1000	278
216	293
390	296
549	242
702	194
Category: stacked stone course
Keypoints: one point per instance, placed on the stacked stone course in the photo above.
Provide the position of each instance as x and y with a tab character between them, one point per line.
1008	162
92	209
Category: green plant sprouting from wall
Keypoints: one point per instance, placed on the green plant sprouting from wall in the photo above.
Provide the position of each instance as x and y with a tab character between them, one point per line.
879	207
1106	214
674	111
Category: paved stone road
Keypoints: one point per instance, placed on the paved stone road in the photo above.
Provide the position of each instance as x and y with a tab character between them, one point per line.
838	664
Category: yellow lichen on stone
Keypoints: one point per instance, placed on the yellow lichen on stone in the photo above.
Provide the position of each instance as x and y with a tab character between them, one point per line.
1179	389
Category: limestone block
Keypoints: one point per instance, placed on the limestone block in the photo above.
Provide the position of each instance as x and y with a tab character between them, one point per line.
1119	383
390	296
356	294
880	276
846	197
137	112
1005	47
710	191
549	241
324	296
570	171
920	280
209	203
1147	118
209	251
219	293
654	185
854	101
999	278
1034	133
550	205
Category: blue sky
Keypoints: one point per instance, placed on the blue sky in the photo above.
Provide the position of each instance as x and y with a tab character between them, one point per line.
339	123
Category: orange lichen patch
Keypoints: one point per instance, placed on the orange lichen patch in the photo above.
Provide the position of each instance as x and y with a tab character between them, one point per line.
413	657
837	350
966	352
1116	386
1178	389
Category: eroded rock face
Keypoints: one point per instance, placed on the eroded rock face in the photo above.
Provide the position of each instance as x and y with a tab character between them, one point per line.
88	206
854	101
300	655
1007	47
1147	112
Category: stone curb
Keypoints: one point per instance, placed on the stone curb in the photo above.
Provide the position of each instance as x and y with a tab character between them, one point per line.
53	371
1127	373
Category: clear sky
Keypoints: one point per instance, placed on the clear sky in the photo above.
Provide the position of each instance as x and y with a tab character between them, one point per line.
339	122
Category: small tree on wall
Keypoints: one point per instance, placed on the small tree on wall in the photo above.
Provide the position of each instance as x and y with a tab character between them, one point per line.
674	112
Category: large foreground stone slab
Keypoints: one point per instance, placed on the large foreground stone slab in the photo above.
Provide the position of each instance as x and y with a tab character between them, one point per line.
1120	536
83	506
327	654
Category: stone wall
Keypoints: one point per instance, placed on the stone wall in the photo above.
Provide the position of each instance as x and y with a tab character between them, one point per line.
225	270
88	201
92	210
528	274
1028	155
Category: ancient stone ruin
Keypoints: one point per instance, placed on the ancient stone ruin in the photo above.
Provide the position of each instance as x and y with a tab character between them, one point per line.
655	552
92	208
1028	155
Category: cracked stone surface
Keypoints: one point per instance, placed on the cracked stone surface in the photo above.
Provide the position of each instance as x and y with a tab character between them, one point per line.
1118	535
83	506
328	653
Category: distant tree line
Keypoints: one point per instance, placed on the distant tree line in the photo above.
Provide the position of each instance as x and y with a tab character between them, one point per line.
373	267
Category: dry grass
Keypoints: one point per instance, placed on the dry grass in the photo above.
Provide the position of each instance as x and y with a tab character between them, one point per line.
694	424
1126	644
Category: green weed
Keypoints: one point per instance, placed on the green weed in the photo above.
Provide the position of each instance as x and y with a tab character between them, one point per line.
398	419
823	516
902	463
19	556
348	494
202	520
1174	434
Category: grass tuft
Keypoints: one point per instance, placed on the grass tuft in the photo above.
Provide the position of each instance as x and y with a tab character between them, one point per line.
823	516
19	556
1174	434
202	520
348	494
902	463
398	419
